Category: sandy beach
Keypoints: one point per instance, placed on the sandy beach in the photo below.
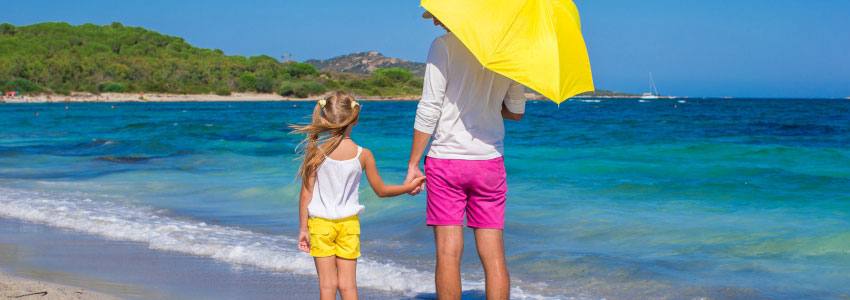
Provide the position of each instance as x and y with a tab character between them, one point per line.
166	97
13	287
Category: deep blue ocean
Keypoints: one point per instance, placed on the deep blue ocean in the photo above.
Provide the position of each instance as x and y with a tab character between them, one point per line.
616	199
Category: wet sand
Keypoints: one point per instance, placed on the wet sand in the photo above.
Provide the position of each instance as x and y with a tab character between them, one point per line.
32	255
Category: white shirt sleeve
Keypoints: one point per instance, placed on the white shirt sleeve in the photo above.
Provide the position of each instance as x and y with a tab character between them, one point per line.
515	98
433	88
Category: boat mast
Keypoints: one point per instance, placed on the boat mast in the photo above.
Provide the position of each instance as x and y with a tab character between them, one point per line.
652	87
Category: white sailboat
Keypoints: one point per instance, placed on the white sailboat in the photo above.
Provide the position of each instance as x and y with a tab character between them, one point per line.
653	90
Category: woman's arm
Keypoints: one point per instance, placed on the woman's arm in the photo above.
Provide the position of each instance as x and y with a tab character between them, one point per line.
303	233
429	109
381	189
513	107
508	115
417	148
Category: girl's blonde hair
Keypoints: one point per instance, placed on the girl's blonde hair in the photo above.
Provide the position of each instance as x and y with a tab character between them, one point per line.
335	113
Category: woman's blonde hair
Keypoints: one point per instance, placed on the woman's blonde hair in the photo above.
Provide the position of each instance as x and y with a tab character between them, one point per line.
335	113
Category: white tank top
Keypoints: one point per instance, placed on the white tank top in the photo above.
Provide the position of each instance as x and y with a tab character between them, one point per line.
335	192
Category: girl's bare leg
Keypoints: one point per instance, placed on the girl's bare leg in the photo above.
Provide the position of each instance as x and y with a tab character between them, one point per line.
328	283
347	272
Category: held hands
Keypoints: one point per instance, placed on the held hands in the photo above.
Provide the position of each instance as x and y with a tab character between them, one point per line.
415	183
304	241
415	177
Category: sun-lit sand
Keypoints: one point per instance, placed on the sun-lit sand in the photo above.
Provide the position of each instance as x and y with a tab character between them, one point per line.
12	287
165	97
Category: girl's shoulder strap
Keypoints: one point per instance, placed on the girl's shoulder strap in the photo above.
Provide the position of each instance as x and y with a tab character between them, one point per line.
359	158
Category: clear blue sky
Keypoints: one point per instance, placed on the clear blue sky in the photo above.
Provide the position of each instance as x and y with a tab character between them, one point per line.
762	48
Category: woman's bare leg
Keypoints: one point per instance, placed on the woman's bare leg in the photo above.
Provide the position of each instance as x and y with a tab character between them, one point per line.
491	250
449	240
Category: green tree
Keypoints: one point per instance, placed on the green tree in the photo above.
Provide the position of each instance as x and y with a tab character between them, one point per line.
391	76
301	89
247	82
286	89
299	70
112	87
264	84
7	29
21	85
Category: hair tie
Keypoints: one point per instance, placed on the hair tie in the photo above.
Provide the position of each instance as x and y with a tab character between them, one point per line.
322	103
354	104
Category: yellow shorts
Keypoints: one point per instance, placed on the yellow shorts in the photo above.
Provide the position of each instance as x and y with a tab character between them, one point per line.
340	238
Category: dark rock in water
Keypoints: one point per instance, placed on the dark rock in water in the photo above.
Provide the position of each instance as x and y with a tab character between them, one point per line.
124	159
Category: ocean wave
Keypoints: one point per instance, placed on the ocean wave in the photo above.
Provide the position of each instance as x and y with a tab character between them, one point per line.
113	220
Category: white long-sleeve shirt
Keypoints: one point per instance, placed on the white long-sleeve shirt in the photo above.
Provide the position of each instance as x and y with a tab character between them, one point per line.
462	102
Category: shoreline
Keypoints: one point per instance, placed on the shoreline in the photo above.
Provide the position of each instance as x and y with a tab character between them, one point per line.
256	97
18	287
169	97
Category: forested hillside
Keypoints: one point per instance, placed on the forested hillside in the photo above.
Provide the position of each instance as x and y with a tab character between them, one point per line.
61	58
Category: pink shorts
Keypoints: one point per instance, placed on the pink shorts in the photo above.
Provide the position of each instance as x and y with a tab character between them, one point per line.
474	187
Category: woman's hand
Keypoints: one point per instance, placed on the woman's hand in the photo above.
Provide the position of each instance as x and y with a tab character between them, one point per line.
414	173
304	241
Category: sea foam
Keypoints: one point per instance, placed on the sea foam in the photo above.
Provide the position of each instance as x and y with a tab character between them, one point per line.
119	221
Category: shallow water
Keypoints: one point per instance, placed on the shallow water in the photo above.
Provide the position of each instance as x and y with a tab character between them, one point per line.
617	199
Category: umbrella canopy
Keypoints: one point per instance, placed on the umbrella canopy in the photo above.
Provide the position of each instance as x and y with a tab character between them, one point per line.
538	43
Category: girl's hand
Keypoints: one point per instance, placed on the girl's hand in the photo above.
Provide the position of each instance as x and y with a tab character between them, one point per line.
414	184
304	241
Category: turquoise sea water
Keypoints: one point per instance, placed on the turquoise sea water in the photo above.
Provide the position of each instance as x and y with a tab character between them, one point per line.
617	199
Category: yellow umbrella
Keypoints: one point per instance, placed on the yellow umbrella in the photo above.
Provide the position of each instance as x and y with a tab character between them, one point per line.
538	43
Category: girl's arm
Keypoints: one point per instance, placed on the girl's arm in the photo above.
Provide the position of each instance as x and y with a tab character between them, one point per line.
381	189
303	233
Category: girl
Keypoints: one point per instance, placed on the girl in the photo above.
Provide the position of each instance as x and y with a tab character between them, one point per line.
330	177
